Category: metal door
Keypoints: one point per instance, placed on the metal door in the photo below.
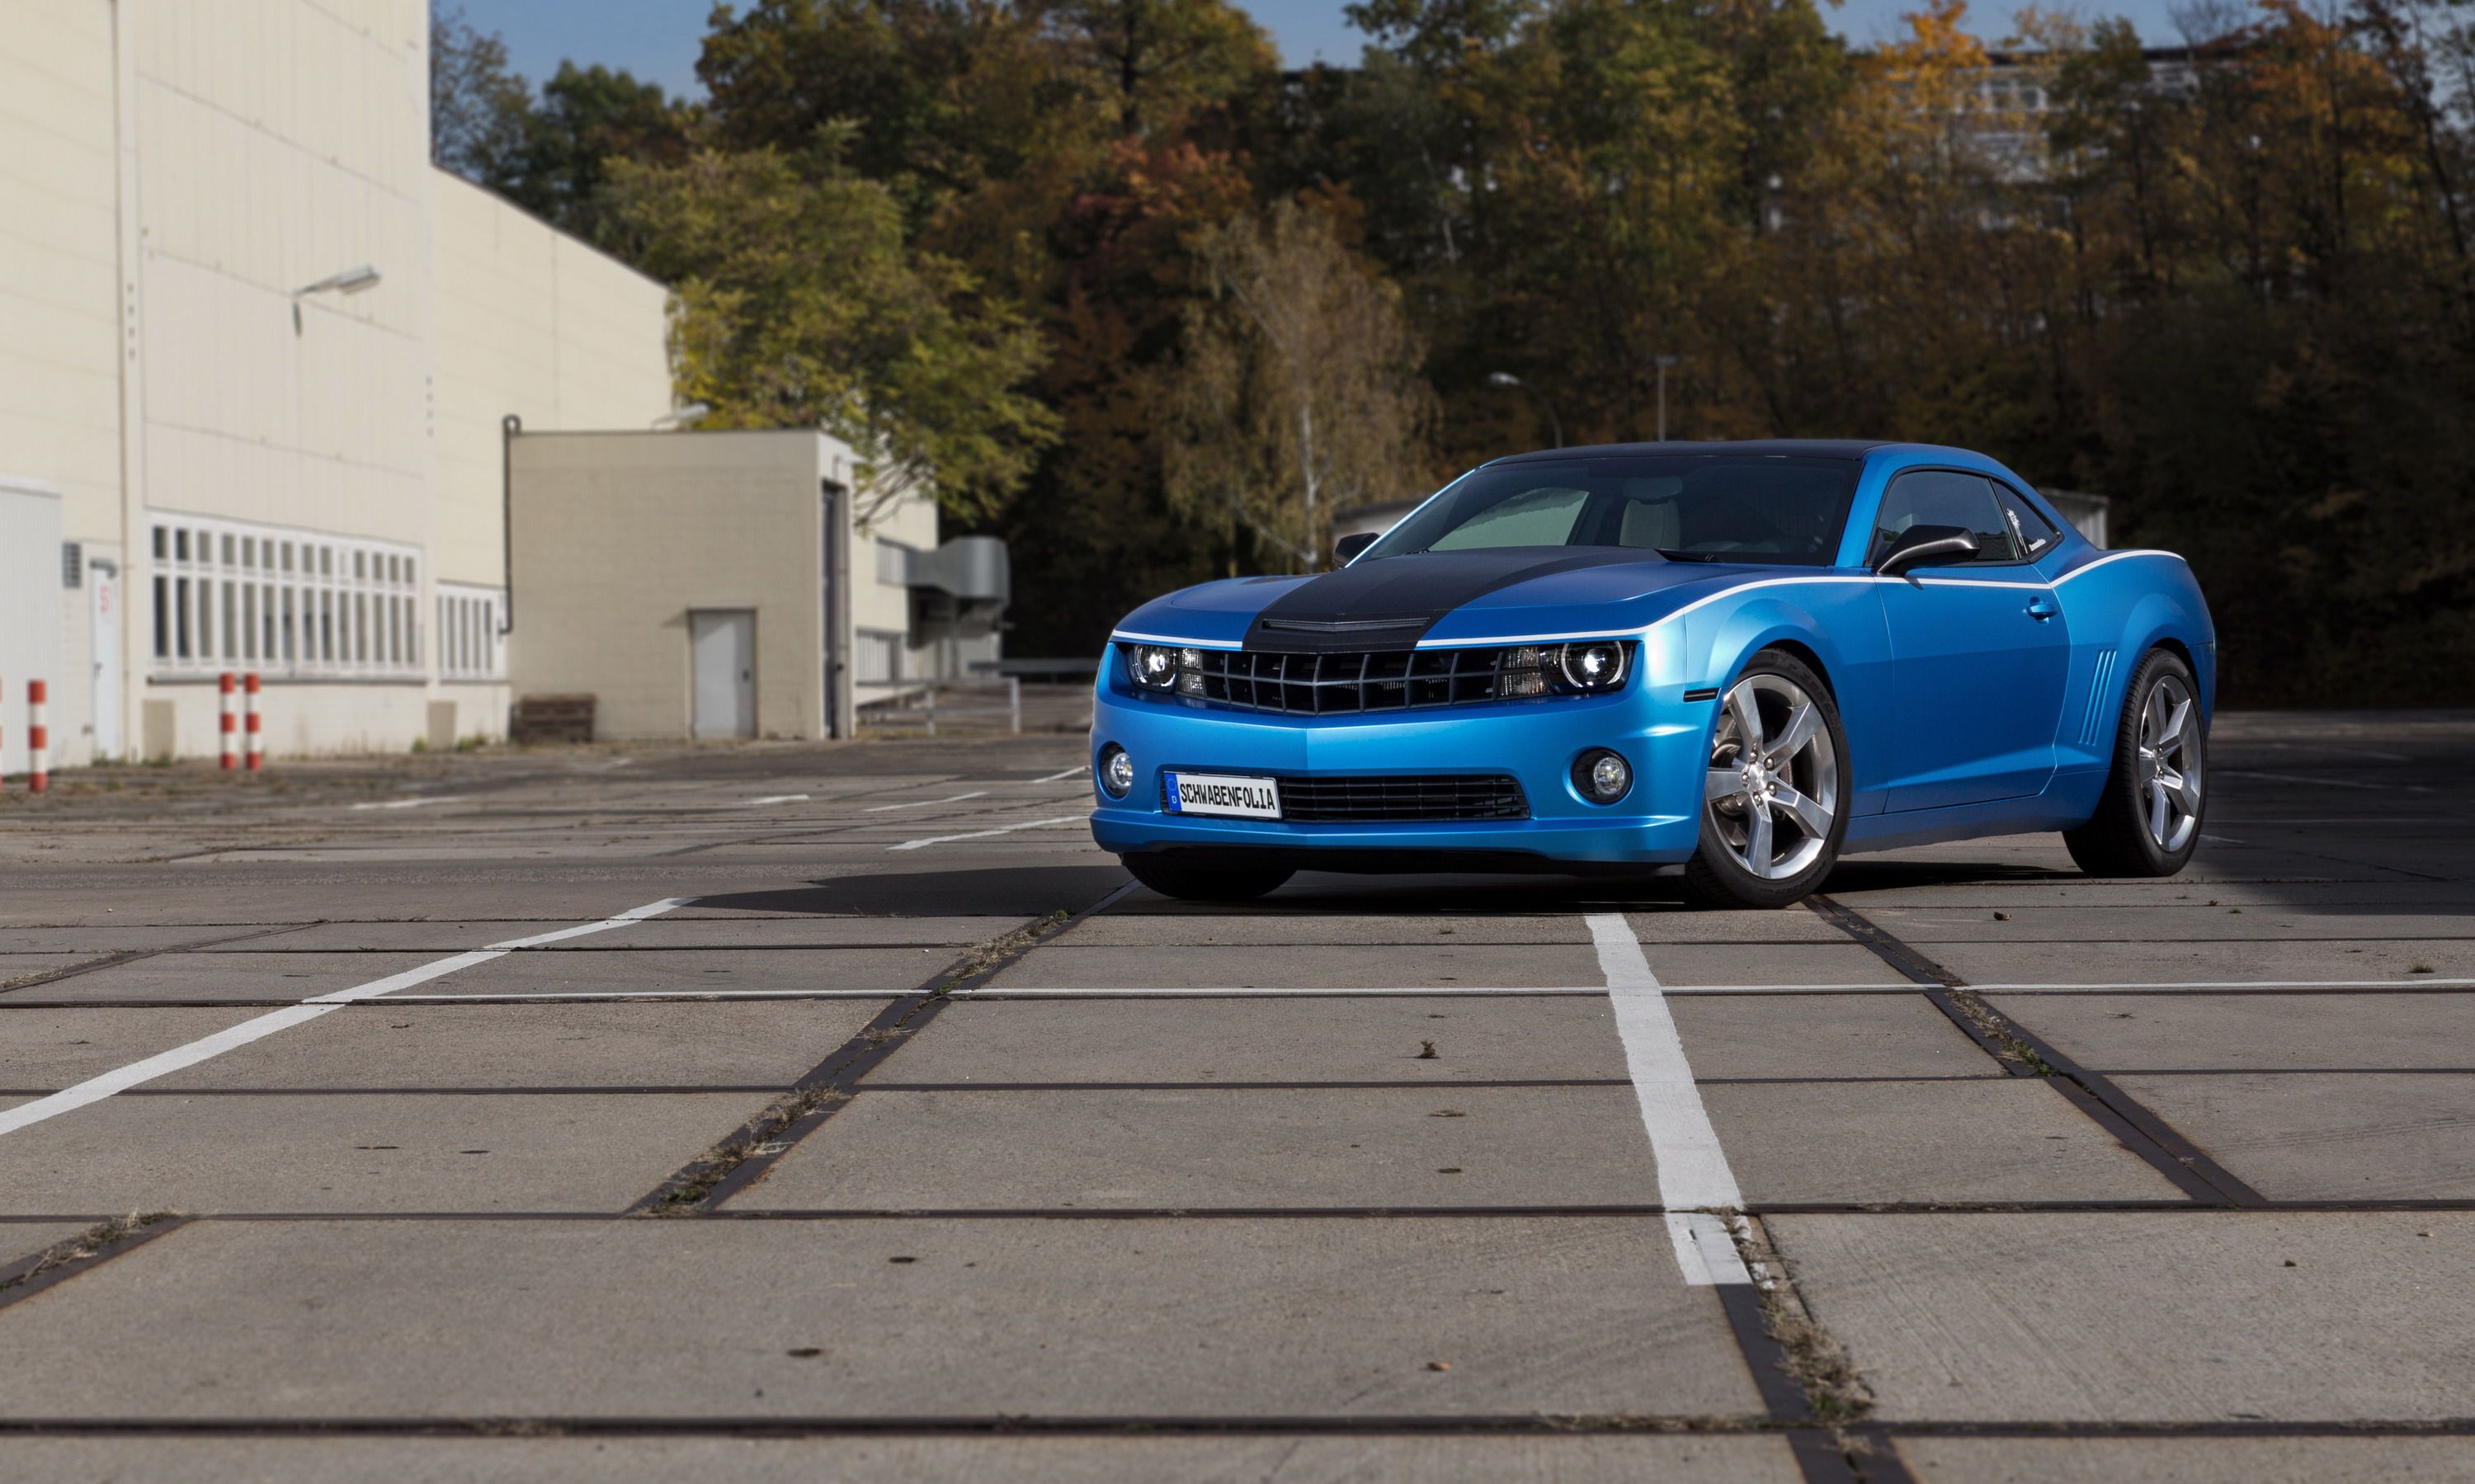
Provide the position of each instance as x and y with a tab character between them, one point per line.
722	643
103	603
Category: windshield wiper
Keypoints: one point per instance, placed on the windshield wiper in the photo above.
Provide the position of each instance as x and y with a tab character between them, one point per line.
1688	556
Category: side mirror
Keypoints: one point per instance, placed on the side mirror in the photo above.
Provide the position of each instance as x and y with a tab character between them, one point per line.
1924	545
1347	548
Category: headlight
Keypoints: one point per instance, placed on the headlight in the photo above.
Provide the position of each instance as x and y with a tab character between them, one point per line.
1161	668
1154	667
1593	664
1584	668
1117	771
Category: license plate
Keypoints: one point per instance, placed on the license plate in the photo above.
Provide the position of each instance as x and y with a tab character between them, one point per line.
1222	794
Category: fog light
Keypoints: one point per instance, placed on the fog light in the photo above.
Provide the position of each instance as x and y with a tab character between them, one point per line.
1602	776
1117	771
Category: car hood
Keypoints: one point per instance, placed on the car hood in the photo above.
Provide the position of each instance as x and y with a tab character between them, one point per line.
1444	595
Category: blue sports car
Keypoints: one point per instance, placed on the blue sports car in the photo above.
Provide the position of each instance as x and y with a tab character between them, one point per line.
1743	657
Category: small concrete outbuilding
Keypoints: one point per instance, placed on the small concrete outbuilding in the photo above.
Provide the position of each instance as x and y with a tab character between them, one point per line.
728	584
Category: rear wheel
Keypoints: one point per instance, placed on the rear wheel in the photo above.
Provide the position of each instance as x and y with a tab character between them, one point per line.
2147	821
1773	811
1190	882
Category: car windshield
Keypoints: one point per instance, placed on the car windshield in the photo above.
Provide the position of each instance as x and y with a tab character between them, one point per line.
1715	507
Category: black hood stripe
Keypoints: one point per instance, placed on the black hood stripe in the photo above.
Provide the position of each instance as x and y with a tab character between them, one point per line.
1391	602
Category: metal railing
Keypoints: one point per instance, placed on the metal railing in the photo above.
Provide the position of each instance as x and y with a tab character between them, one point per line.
913	703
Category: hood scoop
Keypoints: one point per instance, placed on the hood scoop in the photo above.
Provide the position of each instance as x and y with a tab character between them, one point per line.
1340	625
1392	601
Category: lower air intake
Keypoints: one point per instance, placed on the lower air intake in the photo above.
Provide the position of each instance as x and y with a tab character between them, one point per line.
1408	797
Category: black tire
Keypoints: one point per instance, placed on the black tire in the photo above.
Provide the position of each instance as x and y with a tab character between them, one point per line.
1717	875
1188	882
2119	839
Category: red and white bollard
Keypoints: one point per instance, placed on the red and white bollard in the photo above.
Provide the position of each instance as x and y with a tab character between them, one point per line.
257	743
230	722
39	737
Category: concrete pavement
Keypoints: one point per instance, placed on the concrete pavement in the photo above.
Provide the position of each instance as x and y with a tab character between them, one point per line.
784	1111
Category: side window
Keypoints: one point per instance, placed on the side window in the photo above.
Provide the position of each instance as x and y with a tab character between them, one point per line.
1532	517
2035	533
1942	497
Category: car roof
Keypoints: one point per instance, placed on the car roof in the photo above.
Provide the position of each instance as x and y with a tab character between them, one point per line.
1762	448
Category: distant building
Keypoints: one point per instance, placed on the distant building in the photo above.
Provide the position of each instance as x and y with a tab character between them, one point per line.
686	583
2013	93
255	358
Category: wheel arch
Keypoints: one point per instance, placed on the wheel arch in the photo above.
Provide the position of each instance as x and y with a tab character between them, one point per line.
1834	629
1773	624
1807	655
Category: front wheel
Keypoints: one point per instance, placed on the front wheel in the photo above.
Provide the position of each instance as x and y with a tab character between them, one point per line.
1773	811
1188	882
2147	821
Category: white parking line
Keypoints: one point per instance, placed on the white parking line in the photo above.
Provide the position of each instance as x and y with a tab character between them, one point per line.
1006	829
2333	783
1246	991
1694	1181
878	809
774	798
95	1090
2357	752
598	996
1076	772
444	799
2404	983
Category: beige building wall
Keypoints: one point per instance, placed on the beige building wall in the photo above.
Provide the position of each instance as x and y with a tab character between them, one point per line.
620	537
535	323
172	175
276	143
881	602
59	320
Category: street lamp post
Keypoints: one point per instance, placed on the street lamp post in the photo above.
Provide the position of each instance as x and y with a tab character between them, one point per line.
1506	378
1662	362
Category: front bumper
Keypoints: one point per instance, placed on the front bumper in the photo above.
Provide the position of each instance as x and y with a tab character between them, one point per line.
1662	737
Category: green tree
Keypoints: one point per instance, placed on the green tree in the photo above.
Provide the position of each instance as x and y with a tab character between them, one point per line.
587	117
801	305
479	107
1154	62
1297	392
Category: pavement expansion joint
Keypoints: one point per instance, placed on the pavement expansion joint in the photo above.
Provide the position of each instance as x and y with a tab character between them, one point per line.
113	960
2021	1052
91	1248
747	1154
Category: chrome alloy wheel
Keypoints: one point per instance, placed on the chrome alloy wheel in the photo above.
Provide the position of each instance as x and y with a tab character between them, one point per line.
1773	781
2170	763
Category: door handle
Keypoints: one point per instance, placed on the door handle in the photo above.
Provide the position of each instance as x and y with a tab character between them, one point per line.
2042	607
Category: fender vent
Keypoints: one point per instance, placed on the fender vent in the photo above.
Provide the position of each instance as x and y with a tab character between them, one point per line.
2092	721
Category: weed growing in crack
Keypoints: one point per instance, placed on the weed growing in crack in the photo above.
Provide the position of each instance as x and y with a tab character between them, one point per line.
984	957
1994	1027
93	1242
759	1137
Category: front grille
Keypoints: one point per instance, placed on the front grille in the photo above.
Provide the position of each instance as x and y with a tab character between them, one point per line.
1329	684
1446	796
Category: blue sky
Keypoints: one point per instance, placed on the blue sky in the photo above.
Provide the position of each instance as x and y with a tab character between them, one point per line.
657	39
